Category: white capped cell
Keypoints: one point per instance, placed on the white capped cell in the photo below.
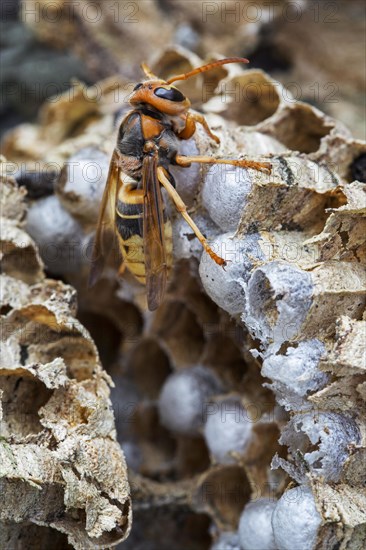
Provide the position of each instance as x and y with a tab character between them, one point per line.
296	373
82	182
228	430
184	398
255	525
57	234
227	541
185	243
187	178
332	434
186	36
225	286
254	144
295	520
224	194
278	298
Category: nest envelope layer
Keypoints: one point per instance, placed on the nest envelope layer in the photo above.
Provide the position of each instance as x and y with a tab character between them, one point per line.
61	466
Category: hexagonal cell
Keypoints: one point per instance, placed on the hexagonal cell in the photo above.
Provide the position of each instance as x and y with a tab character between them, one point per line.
20	259
224	357
186	287
226	540
177	60
228	430
177	326
103	301
184	398
43	344
22	399
157	446
279	297
223	492
18	536
58	235
248	99
295	373
255	527
172	61
105	334
192	456
320	441
301	127
296	520
168	527
148	366
81	183
358	168
226	286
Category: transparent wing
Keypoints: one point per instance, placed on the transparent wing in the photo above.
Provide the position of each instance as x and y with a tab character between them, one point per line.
153	234
106	231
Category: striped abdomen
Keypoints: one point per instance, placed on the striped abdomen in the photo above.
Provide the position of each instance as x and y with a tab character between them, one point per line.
129	220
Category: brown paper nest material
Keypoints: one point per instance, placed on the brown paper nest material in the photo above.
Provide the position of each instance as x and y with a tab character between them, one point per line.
61	466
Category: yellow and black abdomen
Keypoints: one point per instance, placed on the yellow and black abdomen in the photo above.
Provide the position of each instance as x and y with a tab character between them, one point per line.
129	224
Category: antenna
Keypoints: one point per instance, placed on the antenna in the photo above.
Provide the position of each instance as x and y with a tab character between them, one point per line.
207	67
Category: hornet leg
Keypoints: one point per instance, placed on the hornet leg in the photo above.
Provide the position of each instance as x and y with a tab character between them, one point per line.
265	167
181	207
190	128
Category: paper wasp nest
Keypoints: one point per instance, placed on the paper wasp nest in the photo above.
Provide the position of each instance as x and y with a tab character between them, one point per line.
243	396
62	474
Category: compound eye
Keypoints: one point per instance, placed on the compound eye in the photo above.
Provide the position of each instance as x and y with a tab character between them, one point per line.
137	86
172	94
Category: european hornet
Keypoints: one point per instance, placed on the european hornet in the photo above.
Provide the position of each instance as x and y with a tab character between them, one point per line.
147	144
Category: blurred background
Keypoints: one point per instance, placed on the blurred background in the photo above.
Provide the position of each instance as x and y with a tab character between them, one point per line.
315	48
